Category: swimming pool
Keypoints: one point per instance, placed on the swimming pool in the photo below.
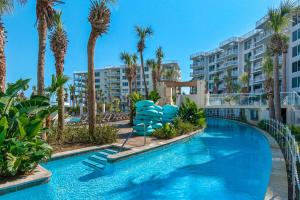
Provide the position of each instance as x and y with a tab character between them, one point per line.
228	161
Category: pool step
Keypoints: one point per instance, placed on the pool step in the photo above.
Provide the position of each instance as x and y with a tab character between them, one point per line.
99	160
93	164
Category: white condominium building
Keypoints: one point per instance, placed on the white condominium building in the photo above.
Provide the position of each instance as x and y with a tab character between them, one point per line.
235	53
112	82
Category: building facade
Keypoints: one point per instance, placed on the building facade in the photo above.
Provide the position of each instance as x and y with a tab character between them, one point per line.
112	83
235	54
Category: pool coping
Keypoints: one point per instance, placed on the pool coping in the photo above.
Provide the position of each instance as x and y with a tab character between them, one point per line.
278	183
133	151
39	176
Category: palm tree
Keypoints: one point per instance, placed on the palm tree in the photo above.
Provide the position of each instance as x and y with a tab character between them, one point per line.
269	82
59	42
284	50
278	20
248	73
45	19
159	56
154	66
229	81
170	74
6	6
72	89
99	18
129	61
216	84
143	33
134	65
244	79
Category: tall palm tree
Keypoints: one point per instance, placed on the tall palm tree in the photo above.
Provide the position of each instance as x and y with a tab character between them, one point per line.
248	73
284	50
159	56
72	89
244	79
278	20
130	74
59	42
229	81
134	65
216	84
269	82
170	74
45	18
154	66
6	6
99	18
142	34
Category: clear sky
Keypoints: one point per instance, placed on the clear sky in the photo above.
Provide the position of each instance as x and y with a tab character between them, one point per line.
181	27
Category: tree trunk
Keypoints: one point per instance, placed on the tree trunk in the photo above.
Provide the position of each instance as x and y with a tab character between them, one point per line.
284	72
271	107
154	79
2	57
276	88
91	101
130	103
42	29
143	73
60	99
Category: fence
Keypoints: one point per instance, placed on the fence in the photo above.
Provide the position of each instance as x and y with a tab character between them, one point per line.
282	135
289	147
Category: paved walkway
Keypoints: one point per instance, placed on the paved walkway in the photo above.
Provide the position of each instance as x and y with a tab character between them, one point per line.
135	141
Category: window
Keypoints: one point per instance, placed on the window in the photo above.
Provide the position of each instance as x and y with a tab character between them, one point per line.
125	83
296	82
211	59
97	80
247	45
296	20
211	68
124	77
296	51
97	73
146	69
296	35
296	66
146	75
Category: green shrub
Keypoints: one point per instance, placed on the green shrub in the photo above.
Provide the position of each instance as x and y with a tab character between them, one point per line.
183	127
154	96
21	125
262	125
189	112
166	132
79	135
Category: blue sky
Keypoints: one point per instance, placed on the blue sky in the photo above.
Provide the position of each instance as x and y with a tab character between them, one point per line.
181	27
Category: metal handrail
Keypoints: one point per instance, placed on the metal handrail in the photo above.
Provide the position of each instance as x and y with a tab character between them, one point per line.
129	136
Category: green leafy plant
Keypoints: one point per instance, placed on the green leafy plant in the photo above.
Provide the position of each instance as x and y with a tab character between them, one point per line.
21	124
183	127
189	112
166	132
154	96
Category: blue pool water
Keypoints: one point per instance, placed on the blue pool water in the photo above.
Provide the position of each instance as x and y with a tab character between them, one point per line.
229	161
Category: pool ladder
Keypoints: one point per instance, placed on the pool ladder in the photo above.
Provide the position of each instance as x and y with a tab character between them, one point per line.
98	161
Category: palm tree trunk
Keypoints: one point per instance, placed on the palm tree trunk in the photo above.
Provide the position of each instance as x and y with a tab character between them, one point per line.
271	106
284	72
276	88
154	79
130	103
143	73
2	57
91	84
42	29
135	84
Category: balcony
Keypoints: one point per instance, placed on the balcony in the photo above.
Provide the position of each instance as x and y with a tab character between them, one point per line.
259	78
262	21
230	40
197	73
197	65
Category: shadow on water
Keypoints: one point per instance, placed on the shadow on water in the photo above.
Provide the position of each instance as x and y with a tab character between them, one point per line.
93	174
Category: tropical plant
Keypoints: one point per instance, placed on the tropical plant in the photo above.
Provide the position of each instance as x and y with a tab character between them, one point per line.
154	96
72	89
45	19
159	57
278	20
6	6
229	81
151	63
183	127
170	74
21	124
59	43
166	132
135	97
99	18
129	61
269	82
189	112
142	34
248	72
244	79
116	105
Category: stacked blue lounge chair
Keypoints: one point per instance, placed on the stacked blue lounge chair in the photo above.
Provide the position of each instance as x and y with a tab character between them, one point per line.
169	113
149	114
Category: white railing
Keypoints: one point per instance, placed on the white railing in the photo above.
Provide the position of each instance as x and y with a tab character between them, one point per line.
225	113
289	148
251	99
